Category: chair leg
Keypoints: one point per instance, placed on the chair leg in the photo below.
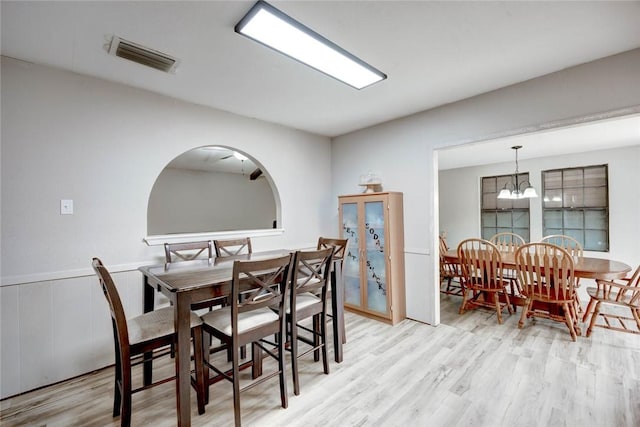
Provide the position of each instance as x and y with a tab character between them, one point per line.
316	338
568	319
525	310
498	309
236	383
588	309
281	367
636	315
198	355
323	335
117	389
464	301
594	316
294	357
125	383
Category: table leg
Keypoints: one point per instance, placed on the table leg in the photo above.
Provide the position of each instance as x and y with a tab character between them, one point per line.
147	305
182	313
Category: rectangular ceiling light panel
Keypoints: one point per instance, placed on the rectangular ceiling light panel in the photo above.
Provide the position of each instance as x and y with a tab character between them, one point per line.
273	28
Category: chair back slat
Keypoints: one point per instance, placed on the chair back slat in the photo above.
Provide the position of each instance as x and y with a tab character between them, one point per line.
546	271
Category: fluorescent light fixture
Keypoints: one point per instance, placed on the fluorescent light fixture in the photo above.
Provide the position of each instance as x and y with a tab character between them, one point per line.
275	29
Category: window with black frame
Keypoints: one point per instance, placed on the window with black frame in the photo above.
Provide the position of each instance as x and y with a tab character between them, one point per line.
503	215
575	202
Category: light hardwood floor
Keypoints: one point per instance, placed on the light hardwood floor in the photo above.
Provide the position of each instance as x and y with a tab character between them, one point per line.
469	371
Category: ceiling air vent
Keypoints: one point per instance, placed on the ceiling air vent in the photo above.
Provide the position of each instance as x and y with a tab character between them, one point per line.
142	55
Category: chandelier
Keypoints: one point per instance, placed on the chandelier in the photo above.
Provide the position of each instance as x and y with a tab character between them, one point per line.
514	189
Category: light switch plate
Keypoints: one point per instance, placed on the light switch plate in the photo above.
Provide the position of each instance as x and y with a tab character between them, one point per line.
66	207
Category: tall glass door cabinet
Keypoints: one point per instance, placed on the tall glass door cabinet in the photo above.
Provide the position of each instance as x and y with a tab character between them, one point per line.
373	268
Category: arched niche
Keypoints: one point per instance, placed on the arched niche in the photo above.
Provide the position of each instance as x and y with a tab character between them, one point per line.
212	192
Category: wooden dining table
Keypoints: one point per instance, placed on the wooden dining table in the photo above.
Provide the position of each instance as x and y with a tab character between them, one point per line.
189	282
584	267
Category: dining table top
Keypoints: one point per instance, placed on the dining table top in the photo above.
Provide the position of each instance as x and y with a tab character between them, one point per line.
584	267
190	275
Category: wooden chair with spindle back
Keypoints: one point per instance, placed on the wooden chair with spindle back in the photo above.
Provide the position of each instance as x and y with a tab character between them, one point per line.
546	274
481	268
508	242
449	271
618	295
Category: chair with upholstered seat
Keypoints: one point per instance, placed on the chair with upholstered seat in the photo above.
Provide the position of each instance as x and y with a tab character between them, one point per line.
339	250
308	298
482	283
618	296
249	319
231	247
546	274
148	334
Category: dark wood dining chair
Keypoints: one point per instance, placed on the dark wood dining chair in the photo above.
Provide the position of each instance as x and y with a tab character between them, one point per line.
618	295
308	298
231	247
482	283
449	271
546	273
184	252
249	320
177	252
149	334
339	251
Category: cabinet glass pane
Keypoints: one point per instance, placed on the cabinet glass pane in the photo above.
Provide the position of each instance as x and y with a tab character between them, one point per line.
375	262
351	267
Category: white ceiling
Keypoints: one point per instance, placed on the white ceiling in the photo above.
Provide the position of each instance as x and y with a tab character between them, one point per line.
433	52
603	134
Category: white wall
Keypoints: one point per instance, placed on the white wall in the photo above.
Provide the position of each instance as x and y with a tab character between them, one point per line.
67	136
402	151
191	201
460	198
